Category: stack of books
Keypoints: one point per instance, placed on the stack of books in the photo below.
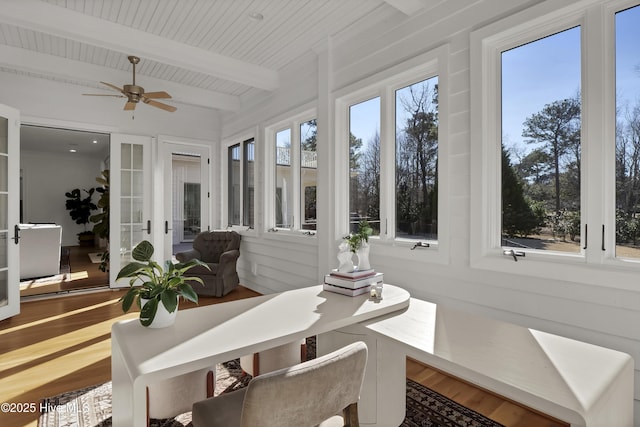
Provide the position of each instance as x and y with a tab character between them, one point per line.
352	283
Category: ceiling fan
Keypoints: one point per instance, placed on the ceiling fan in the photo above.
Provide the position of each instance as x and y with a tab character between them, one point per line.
135	94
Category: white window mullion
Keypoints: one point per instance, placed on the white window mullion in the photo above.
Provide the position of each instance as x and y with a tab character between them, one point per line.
296	222
596	144
387	164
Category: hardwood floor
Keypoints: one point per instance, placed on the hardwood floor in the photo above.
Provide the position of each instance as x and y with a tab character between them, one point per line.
82	274
64	343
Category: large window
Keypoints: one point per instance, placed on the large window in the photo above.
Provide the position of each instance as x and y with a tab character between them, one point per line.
417	160
396	157
233	162
308	173
364	164
627	24
284	180
248	162
555	143
541	144
295	176
240	191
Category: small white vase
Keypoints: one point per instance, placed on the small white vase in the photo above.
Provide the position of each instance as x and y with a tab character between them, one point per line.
345	259
363	256
163	318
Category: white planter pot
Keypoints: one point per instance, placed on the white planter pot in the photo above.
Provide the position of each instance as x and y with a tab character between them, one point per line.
363	256
163	318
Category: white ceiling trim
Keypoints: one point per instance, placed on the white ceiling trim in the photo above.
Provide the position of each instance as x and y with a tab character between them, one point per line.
62	68
66	23
408	7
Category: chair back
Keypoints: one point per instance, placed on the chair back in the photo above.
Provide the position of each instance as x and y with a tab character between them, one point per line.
308	393
212	244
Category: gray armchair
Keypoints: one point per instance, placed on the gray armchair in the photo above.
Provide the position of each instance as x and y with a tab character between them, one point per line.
220	250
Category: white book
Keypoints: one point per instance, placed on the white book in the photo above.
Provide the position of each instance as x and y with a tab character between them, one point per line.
355	274
353	283
346	291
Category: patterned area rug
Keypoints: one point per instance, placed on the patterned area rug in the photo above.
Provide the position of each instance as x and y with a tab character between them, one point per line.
91	407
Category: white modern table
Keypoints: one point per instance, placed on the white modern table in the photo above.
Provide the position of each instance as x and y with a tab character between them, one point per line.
205	336
576	382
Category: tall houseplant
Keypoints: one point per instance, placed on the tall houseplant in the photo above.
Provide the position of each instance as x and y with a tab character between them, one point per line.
80	209
160	286
101	219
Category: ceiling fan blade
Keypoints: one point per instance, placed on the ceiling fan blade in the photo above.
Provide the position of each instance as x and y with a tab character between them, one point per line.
103	94
157	104
157	95
129	106
113	87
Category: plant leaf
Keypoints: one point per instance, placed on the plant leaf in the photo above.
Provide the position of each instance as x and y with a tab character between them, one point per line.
143	251
170	300
148	312
128	298
131	269
188	293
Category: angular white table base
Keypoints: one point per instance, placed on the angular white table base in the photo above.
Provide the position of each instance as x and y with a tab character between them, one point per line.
580	383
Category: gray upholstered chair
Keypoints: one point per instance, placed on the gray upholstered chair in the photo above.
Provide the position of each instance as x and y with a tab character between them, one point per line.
220	250
313	393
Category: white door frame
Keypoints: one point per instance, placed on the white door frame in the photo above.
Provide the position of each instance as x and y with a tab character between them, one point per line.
167	147
142	221
9	234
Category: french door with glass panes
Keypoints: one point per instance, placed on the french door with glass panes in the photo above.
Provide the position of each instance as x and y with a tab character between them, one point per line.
9	212
186	199
130	214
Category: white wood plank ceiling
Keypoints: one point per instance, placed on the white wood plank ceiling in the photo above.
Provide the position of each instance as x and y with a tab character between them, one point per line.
204	52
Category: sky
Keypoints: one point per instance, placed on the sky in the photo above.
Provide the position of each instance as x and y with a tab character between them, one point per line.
537	74
547	70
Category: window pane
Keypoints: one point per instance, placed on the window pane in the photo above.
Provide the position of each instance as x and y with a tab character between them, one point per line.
417	160
249	173
234	184
541	144
364	164
284	180
628	134
308	174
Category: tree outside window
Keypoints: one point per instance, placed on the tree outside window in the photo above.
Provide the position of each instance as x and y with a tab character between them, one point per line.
417	160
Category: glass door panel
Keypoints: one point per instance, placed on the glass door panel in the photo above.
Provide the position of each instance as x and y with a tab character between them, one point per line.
186	205
9	212
132	219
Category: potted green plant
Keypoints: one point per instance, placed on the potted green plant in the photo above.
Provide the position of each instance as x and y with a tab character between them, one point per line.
101	219
359	244
160	287
80	209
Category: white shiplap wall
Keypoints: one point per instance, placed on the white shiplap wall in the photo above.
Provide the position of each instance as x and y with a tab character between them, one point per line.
594	314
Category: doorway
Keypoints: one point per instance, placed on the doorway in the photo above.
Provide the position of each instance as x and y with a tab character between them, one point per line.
54	162
187	202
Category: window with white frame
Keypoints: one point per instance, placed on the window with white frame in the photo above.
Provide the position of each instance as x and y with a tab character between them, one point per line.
364	164
541	143
295	174
627	141
394	154
308	173
233	186
240	183
416	121
555	173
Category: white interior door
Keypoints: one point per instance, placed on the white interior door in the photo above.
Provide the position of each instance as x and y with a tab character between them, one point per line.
9	212
131	191
186	196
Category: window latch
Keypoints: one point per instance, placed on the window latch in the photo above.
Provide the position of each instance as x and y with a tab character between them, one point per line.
513	253
421	245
